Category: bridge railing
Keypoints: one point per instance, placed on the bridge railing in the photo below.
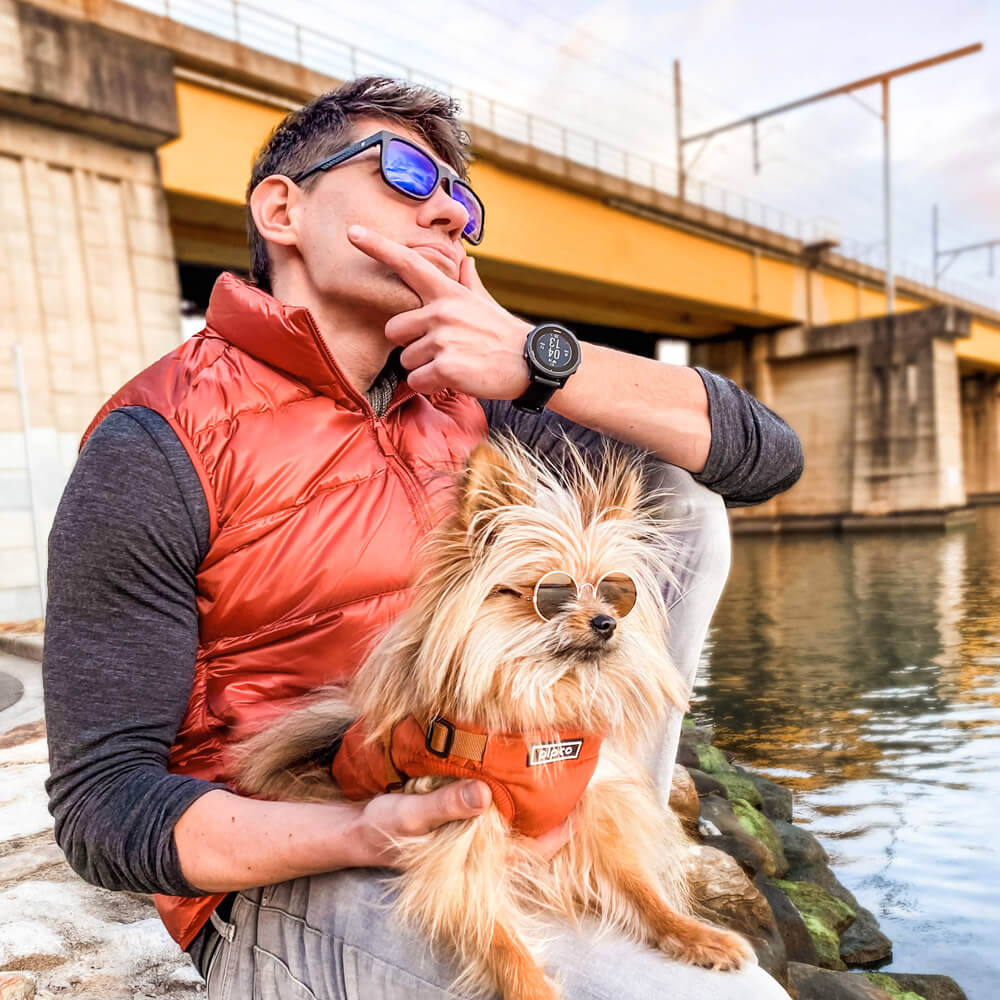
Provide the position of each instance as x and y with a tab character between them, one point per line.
279	36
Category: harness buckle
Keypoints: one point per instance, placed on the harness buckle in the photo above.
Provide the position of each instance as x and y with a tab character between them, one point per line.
434	736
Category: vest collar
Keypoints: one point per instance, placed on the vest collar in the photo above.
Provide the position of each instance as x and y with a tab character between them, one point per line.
283	337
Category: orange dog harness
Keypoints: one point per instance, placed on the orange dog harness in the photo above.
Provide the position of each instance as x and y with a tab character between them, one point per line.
535	783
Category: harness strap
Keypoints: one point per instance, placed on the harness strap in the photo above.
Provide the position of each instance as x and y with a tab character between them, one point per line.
446	740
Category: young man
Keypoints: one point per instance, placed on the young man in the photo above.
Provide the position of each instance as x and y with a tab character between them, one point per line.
242	520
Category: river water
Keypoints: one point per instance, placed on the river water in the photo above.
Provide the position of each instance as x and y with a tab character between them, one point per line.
863	671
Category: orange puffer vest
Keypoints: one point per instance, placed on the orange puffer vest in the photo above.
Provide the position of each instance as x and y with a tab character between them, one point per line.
316	507
535	782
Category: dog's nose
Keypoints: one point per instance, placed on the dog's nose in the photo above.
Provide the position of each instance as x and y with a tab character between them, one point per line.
604	625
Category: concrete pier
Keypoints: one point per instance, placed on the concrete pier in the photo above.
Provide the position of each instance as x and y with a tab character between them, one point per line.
88	275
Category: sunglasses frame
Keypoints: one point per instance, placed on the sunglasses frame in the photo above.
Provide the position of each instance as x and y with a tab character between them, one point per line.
382	139
533	596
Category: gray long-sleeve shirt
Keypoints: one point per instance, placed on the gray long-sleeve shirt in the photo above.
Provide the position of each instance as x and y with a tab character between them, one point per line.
122	625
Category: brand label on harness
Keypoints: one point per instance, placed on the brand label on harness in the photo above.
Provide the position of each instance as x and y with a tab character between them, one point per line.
550	753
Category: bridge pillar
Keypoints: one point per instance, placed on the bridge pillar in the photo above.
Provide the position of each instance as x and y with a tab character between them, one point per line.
876	405
981	436
88	280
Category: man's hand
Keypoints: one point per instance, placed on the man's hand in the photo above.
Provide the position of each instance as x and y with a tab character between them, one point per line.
388	818
461	338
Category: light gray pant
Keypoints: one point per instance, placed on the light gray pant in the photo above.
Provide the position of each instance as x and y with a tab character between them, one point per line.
334	936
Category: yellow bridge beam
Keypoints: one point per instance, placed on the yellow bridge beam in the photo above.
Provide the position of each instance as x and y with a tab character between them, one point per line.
550	247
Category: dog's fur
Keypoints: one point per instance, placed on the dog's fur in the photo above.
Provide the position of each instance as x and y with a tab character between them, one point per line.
470	653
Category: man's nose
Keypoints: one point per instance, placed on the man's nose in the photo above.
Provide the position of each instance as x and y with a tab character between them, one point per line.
441	209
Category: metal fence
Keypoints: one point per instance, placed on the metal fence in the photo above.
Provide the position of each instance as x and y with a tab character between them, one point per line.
281	37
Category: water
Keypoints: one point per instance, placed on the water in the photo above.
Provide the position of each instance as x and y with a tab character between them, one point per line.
864	672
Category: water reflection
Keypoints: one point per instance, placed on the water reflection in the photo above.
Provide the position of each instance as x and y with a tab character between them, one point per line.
864	672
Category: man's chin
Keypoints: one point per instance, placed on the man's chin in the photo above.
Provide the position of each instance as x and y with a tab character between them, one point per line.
384	298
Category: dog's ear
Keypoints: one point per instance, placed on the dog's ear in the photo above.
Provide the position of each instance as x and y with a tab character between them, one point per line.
620	494
493	479
612	490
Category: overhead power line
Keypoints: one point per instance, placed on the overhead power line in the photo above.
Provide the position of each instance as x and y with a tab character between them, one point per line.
882	79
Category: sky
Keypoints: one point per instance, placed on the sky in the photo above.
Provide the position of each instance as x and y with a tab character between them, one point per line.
604	69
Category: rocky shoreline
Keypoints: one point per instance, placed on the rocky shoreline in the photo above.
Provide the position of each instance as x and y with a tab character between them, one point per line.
755	872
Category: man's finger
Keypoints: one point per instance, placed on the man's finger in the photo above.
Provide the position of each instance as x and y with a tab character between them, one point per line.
421	352
548	844
416	271
459	800
426	379
406	327
469	276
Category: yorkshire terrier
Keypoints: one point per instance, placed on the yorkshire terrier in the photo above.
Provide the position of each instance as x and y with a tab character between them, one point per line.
533	657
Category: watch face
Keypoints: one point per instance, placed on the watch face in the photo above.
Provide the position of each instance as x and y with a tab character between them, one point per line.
553	349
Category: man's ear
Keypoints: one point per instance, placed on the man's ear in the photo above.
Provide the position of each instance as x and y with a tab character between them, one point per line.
272	204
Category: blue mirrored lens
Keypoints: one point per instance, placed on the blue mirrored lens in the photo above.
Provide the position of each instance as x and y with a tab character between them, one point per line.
410	170
464	196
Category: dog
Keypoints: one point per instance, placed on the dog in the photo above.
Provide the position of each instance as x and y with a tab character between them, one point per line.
533	657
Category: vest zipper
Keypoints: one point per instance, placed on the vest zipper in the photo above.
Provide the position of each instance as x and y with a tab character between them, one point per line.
406	477
331	362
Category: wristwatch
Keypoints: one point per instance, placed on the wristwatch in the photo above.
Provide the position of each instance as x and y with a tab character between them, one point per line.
552	353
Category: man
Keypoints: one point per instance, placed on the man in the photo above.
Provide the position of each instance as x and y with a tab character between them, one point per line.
242	520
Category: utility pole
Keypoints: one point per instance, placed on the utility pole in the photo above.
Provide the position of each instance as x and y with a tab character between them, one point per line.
955	252
869	81
679	128
890	278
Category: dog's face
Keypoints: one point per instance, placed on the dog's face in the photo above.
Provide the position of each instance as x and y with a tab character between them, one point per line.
480	650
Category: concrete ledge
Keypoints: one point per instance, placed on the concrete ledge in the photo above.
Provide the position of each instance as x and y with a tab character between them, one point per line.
983	499
76	74
27	646
935	520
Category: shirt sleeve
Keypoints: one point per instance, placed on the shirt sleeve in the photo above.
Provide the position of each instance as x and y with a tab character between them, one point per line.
753	455
121	635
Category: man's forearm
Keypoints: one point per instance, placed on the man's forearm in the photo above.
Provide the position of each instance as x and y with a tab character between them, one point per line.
660	407
226	842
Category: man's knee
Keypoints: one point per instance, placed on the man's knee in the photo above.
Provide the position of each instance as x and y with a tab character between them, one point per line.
700	534
595	966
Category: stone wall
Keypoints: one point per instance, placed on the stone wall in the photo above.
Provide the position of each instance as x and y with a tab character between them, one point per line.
981	435
876	405
88	280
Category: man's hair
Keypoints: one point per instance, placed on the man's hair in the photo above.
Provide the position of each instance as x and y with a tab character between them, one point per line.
318	128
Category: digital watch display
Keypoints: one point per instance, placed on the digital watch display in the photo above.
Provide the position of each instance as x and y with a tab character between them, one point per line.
552	354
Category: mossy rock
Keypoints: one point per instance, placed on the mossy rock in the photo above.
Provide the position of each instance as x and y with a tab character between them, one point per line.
809	898
738	787
699	732
826	941
887	983
825	917
758	825
712	761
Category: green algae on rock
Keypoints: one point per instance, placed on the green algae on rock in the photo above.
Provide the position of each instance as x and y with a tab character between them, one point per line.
712	761
826	941
758	825
738	787
825	916
887	983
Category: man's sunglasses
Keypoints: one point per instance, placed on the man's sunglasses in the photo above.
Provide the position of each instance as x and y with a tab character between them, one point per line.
406	168
556	591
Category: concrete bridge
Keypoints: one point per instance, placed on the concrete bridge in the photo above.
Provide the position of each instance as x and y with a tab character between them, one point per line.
125	146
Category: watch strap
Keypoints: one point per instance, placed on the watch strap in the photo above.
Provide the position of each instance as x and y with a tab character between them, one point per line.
538	393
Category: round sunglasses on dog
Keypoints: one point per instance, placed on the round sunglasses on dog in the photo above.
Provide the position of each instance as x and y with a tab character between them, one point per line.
406	168
556	591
